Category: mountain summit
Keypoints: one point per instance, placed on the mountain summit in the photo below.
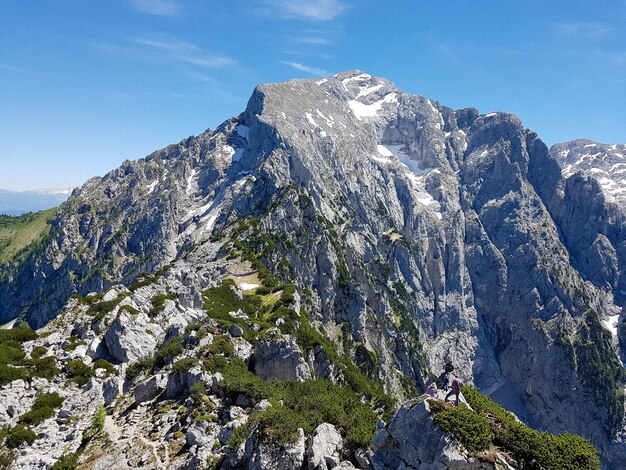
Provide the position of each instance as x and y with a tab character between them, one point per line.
355	216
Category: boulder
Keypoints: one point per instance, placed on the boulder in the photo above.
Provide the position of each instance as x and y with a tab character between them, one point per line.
280	358
111	389
260	453
150	388
324	451
131	337
179	383
412	440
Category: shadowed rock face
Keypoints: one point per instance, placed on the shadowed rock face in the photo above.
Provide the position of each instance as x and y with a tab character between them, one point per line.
429	233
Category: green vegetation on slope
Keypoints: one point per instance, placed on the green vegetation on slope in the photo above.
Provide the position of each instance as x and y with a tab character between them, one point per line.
21	235
15	365
489	424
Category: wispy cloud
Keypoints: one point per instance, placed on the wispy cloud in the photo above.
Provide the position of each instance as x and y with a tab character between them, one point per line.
315	40
157	7
305	68
586	30
314	10
11	68
187	52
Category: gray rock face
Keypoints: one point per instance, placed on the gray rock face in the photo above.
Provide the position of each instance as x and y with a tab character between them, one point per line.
259	454
280	358
131	337
324	451
411	440
150	388
180	383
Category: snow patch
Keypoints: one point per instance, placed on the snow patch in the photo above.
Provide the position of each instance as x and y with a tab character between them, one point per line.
384	151
362	76
309	117
330	121
247	286
611	324
323	80
415	174
190	180
368	90
151	186
362	110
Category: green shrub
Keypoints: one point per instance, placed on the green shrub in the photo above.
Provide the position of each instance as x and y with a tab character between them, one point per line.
78	372
43	408
104	364
66	462
184	365
96	426
72	343
469	428
44	367
21	335
19	435
168	351
11	352
130	309
197	392
280	424
562	452
158	303
38	352
221	345
143	364
6	457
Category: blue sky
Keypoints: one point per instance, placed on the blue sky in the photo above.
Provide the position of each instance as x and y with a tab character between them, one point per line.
87	84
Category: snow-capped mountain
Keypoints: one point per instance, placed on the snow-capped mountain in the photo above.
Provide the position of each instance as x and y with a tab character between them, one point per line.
19	202
604	162
338	229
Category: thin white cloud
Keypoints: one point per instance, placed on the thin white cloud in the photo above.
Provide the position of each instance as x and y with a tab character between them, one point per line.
187	52
315	10
11	68
305	68
315	40
157	7
587	30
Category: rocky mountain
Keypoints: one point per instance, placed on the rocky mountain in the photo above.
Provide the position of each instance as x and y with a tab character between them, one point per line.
606	163
341	233
19	202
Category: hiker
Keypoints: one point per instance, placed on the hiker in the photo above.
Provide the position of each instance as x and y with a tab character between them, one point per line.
457	384
446	375
432	389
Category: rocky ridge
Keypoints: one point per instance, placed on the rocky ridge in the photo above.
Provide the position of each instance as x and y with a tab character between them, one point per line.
407	232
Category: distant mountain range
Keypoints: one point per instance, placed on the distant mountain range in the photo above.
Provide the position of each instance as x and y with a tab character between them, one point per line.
20	202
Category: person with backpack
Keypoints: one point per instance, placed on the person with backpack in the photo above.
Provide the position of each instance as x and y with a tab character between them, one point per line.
457	384
446	375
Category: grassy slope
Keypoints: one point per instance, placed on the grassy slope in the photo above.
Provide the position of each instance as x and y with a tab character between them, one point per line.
19	232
